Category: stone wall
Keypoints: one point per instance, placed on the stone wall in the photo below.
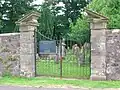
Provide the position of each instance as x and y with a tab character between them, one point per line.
9	53
113	54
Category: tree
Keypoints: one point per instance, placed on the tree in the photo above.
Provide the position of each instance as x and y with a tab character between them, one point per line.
0	22
11	11
80	31
68	12
52	23
71	12
73	8
109	8
46	20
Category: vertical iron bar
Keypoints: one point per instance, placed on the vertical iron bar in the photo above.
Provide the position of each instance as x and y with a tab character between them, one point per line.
35	43
90	52
61	58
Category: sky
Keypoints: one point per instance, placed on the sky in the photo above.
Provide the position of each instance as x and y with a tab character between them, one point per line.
38	1
41	1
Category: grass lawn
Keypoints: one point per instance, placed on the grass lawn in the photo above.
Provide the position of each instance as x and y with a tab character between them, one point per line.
42	81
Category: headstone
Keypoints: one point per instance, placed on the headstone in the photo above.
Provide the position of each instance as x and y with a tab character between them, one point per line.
87	46
37	56
81	59
63	53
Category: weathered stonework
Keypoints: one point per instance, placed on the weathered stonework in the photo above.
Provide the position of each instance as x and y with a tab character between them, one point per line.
98	51
28	24
98	26
113	54
9	47
19	48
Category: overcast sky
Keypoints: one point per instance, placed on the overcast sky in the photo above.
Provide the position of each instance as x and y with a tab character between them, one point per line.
41	1
38	2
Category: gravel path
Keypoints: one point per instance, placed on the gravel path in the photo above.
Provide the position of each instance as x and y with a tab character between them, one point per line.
41	88
31	88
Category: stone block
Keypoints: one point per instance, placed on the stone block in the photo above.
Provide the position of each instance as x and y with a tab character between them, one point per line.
98	24
27	28
97	78
28	61
26	37
27	48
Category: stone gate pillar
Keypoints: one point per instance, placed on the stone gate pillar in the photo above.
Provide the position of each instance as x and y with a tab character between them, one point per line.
27	26
98	50
98	26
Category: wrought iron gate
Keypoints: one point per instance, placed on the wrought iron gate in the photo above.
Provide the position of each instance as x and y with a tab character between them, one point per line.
62	58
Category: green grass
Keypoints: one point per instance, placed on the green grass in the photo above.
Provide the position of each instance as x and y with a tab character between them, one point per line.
38	82
70	68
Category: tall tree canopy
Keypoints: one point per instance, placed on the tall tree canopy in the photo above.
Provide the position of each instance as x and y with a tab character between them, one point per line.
109	8
64	12
80	31
11	11
46	20
73	8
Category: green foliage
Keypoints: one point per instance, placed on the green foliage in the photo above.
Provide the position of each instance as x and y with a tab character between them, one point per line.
55	19
0	22
46	21
72	11
73	8
51	25
80	31
11	11
109	8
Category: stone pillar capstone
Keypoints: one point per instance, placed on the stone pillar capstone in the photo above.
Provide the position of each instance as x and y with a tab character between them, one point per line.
27	26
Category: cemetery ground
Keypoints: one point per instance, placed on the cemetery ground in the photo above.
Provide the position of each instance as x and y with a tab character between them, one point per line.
70	67
52	69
